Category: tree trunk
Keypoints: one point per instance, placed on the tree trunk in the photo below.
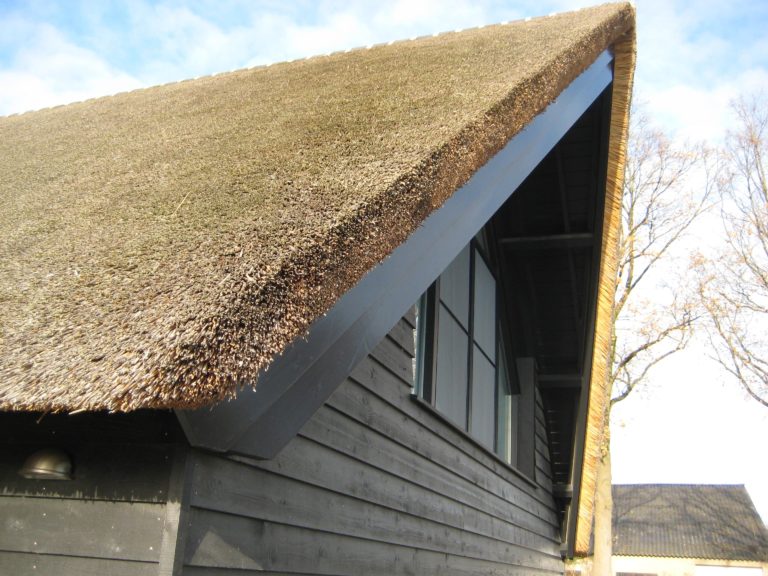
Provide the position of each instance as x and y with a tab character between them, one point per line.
603	534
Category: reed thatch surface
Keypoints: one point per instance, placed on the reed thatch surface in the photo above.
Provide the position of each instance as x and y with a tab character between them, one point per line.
158	248
595	442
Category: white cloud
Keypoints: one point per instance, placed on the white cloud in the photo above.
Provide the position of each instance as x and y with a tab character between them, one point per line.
700	112
48	70
336	32
430	15
690	65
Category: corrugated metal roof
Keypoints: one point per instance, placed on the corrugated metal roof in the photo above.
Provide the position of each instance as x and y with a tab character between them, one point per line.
687	521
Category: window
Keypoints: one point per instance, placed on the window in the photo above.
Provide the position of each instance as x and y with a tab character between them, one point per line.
462	364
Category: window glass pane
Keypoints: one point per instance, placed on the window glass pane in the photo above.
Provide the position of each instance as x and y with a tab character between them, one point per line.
483	423
454	287
452	366
485	308
506	425
419	344
503	432
503	427
514	403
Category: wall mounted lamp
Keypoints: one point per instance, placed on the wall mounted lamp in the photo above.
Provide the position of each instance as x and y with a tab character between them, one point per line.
47	464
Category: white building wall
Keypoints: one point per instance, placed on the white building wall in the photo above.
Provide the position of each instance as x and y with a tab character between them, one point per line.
686	567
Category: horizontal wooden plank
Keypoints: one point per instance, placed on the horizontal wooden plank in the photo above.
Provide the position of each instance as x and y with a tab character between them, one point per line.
237	488
402	334
96	529
543	472
410	316
390	491
544	481
402	484
228	541
23	564
438	449
117	472
542	448
378	381
542	462
214	571
396	360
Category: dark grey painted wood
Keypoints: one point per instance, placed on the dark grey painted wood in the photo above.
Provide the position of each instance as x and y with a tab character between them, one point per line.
557	241
390	355
526	457
97	529
373	484
389	433
174	528
402	335
22	564
259	422
209	571
112	517
429	420
254	492
236	542
140	427
102	472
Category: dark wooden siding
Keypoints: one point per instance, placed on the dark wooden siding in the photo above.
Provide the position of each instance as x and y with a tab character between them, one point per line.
374	483
112	518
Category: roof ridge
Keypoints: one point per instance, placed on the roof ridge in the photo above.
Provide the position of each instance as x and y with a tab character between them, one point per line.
311	57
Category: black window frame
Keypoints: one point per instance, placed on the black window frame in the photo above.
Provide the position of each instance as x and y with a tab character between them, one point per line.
426	348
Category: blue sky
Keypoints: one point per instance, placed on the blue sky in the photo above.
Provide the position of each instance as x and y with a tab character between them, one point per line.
693	58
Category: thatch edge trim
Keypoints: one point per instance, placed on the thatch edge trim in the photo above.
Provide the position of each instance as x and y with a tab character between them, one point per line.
625	54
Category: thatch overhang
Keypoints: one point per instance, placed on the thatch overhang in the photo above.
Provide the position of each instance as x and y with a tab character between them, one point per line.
599	394
163	247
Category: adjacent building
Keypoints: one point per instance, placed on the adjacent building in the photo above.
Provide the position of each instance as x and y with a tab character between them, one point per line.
687	530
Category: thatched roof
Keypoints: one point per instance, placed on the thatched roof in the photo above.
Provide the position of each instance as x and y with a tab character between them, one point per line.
687	521
160	247
595	442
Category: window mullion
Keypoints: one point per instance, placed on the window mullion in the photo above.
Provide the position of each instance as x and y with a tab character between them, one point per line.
471	334
496	397
425	347
430	361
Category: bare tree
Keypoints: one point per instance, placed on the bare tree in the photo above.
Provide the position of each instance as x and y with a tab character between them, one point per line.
666	188
734	288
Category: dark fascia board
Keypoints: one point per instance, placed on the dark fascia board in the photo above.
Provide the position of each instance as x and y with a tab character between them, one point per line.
551	242
260	421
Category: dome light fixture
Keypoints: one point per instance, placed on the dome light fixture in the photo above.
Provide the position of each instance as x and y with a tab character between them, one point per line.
47	464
